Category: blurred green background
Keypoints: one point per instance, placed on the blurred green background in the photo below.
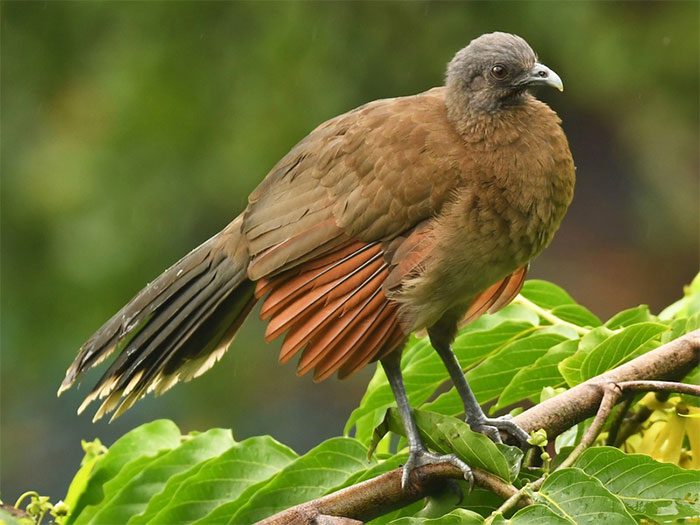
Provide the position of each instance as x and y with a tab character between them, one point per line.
131	132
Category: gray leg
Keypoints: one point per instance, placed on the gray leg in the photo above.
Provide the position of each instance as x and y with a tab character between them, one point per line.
418	455
474	414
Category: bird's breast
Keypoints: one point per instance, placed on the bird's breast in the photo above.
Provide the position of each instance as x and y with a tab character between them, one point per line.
511	202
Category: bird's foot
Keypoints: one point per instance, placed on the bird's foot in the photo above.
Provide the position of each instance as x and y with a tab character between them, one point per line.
492	427
420	457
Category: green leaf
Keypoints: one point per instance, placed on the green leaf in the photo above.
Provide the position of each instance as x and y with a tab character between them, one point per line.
530	380
312	475
424	372
539	514
456	517
579	498
447	435
489	378
638	314
144	441
576	314
127	494
220	481
545	294
686	306
680	327
112	487
80	481
482	501
570	367
658	491
381	467
619	348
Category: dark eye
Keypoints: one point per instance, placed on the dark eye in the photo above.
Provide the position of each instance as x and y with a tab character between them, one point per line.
499	72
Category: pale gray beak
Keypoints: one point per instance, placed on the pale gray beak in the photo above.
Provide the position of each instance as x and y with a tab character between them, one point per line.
541	75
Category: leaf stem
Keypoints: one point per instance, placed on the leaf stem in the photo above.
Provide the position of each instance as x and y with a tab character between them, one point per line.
549	316
29	493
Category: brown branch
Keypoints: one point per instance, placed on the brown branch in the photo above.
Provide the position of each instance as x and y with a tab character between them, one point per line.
383	494
616	424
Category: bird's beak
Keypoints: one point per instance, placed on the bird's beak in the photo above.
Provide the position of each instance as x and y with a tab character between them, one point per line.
541	75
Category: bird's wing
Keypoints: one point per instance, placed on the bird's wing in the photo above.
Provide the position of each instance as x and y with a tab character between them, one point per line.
369	175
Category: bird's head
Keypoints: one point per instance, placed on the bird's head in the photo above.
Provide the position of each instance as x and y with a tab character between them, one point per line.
494	71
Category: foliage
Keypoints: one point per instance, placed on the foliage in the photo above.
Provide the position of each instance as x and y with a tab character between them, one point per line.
543	343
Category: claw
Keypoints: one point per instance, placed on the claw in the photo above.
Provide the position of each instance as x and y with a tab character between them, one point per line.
418	458
492	426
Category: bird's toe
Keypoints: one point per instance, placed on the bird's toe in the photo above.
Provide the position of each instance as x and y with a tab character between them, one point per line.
493	426
420	458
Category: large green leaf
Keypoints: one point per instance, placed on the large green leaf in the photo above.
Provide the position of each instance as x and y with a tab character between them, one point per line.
620	348
638	314
143	442
221	480
530	380
555	306
312	475
545	294
577	498
94	452
128	493
648	488
576	314
602	349
539	514
447	435
686	306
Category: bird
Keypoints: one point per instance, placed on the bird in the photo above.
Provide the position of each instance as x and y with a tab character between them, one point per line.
413	213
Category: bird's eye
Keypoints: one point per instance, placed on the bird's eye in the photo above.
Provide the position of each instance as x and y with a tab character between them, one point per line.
499	72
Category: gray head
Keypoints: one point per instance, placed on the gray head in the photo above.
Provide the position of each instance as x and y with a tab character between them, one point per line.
494	71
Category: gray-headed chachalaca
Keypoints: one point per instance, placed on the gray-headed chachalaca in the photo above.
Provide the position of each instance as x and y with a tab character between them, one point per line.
409	213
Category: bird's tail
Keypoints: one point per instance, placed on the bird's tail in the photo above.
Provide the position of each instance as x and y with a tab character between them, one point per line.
175	329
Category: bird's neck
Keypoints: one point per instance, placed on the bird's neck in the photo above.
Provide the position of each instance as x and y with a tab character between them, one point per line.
477	114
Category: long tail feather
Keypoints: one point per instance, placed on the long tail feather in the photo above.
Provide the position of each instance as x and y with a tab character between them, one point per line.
174	329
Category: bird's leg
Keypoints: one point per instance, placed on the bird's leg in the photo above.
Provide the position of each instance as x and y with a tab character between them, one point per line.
475	416
418	455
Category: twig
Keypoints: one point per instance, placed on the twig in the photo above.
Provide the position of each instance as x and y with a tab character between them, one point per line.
612	392
383	494
614	430
660	386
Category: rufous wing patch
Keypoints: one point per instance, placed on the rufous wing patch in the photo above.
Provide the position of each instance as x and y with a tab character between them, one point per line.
496	296
334	311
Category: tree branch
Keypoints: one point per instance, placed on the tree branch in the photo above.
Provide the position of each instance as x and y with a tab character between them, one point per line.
383	494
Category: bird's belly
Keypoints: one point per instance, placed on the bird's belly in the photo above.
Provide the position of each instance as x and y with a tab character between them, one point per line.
470	261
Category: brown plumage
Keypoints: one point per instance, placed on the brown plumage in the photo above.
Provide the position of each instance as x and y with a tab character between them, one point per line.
419	212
